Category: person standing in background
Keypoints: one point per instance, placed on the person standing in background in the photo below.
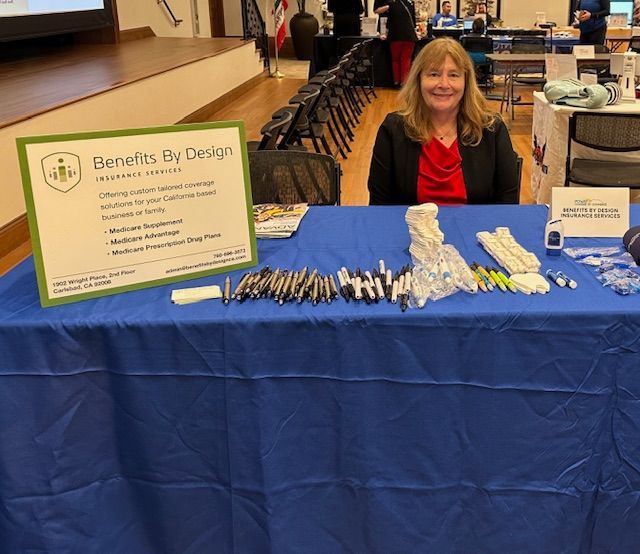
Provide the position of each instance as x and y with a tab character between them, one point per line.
481	11
346	17
401	34
592	20
444	18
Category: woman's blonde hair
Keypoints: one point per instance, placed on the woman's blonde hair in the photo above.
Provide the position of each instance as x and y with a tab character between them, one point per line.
473	116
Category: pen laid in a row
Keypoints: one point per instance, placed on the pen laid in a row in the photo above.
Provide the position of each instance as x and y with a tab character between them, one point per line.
378	284
489	278
283	285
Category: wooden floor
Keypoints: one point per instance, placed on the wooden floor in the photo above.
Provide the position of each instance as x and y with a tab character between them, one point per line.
256	106
66	74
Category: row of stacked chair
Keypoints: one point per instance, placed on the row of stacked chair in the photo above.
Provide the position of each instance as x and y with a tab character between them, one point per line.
322	115
331	102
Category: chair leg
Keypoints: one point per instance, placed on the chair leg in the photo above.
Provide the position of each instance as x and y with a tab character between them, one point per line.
325	144
345	123
335	140
315	144
339	131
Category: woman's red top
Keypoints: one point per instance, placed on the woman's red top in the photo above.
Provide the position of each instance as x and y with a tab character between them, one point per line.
440	178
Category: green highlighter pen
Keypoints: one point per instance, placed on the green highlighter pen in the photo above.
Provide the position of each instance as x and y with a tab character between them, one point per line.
506	280
497	279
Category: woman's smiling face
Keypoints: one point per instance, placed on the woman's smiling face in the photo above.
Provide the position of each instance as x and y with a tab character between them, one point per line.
443	88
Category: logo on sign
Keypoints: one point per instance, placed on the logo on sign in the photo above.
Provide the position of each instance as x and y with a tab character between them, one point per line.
61	170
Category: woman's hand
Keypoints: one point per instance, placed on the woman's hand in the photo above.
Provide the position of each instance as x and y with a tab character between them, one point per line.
382	9
584	16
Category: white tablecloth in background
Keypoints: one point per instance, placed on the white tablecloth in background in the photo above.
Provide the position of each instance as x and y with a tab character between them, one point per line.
549	145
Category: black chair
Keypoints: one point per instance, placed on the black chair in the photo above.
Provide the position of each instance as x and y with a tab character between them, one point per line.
290	177
478	46
336	103
634	44
271	132
302	104
290	134
609	134
323	116
534	75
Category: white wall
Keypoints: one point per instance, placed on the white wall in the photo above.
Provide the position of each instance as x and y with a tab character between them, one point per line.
232	18
205	20
522	13
148	13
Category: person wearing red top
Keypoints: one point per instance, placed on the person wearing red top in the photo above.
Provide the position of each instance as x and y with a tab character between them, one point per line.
444	145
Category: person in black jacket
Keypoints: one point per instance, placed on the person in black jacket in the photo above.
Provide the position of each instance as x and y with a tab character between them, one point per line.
346	17
401	34
444	145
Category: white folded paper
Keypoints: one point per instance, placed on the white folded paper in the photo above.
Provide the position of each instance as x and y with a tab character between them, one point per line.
195	294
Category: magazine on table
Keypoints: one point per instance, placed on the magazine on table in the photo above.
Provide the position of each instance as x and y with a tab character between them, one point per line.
277	220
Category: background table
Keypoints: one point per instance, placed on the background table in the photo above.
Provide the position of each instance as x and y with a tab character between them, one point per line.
516	63
483	423
325	51
549	135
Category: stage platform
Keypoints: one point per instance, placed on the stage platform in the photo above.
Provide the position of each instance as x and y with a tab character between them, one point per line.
60	77
87	87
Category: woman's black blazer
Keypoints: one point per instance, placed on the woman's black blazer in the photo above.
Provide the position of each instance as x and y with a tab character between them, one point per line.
489	169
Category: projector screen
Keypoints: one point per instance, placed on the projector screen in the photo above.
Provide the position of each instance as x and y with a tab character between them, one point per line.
21	19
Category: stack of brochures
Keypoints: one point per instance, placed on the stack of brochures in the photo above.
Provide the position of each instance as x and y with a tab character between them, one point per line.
274	221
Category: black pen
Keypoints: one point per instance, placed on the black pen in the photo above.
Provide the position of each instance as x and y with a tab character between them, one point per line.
369	294
348	281
378	283
357	285
344	289
394	289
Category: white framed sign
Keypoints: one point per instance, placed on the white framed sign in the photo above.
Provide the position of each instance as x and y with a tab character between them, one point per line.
591	211
618	20
114	211
584	51
369	26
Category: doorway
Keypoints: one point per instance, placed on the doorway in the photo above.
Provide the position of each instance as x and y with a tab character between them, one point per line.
216	15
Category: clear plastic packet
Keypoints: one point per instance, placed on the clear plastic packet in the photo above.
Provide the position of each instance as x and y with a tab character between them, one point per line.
440	276
622	281
581	252
623	260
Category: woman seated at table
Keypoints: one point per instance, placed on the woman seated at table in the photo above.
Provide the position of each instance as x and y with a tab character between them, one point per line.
443	145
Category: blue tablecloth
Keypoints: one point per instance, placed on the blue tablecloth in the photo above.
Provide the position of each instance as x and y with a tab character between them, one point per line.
483	423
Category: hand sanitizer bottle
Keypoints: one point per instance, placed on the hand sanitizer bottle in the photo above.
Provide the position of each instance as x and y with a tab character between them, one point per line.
554	237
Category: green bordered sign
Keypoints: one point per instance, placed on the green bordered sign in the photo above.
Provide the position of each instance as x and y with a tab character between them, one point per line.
115	211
